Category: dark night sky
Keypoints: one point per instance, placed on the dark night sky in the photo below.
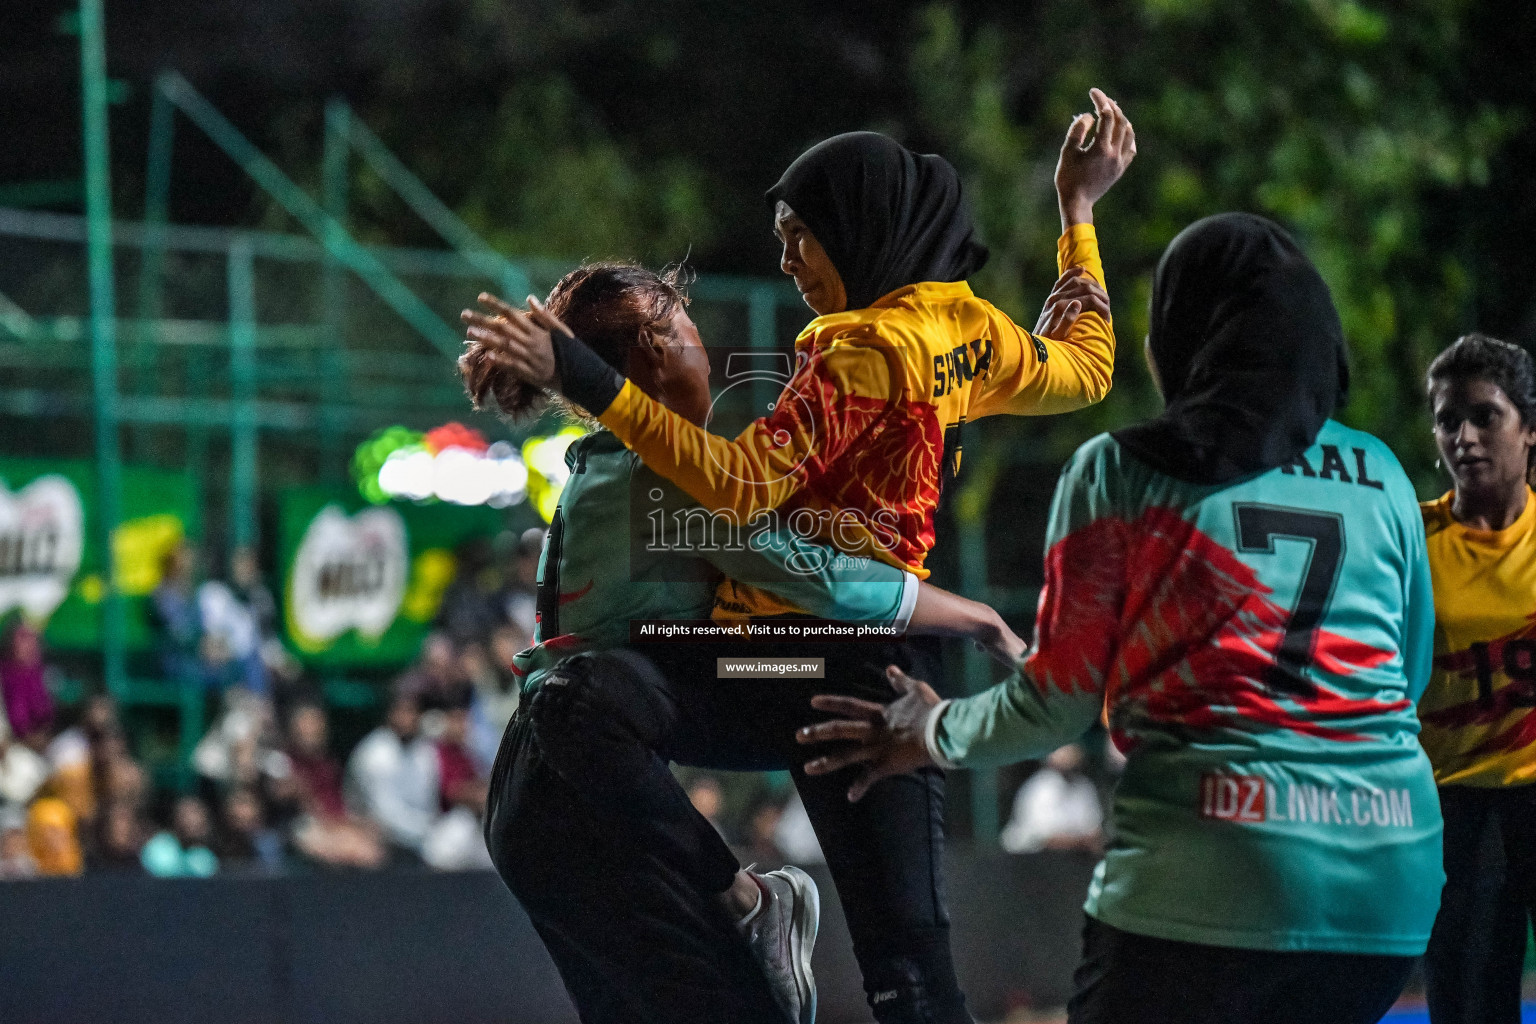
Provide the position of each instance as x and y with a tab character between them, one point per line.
269	65
247	55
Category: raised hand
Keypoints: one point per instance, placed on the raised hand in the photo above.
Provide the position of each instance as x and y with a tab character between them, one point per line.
1075	293
888	738
512	341
1087	169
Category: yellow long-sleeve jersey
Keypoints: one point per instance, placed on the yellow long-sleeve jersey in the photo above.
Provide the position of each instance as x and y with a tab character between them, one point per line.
1479	712
857	445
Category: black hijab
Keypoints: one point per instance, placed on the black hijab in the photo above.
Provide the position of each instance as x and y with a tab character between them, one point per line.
1248	348
886	216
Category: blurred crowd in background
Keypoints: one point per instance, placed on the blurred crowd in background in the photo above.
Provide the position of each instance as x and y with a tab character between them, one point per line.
276	790
1058	804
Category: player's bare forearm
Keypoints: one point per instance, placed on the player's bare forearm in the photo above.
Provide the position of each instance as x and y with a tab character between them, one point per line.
941	613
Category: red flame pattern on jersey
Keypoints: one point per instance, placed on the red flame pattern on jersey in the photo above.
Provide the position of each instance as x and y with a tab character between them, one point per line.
1515	695
1174	628
878	457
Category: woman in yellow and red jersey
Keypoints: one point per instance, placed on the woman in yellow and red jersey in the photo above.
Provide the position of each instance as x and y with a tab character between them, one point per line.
899	357
1479	712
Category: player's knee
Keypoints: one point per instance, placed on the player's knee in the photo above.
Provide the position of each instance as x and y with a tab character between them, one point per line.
563	703
608	689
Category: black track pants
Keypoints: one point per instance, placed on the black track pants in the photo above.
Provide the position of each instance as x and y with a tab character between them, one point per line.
1477	949
614	720
1134	978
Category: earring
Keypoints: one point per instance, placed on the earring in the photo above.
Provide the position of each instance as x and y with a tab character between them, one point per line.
1437	464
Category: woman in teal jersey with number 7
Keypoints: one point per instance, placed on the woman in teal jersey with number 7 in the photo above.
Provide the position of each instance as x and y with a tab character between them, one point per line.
1241	582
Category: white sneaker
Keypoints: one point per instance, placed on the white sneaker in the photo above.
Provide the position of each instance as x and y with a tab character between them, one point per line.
782	936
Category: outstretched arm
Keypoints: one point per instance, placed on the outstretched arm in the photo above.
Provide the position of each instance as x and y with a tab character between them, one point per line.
813	422
815	577
1073	363
1055	694
941	613
1086	169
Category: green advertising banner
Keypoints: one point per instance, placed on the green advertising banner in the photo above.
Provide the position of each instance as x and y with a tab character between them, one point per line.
50	564
362	583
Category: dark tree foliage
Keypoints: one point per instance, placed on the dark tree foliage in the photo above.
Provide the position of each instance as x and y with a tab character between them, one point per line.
1395	139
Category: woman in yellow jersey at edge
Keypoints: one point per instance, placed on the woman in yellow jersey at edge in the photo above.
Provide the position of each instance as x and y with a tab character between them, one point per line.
1479	712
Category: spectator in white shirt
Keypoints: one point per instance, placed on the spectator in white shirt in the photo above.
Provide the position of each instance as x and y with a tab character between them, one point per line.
1057	808
22	770
392	777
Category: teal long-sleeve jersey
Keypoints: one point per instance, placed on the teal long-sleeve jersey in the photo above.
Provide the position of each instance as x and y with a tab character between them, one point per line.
1258	647
627	546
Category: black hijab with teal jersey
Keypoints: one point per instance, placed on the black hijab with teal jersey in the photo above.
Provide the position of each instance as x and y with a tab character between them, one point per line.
1249	351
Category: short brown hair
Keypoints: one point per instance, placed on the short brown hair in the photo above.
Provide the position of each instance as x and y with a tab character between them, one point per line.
606	305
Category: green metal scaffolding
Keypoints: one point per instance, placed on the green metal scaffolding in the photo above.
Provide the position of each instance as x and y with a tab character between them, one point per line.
309	361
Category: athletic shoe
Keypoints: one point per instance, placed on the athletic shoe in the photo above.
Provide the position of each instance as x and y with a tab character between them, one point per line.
782	936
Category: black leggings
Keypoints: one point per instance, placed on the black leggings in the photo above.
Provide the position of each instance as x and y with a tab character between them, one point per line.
1477	949
606	725
1125	978
634	937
